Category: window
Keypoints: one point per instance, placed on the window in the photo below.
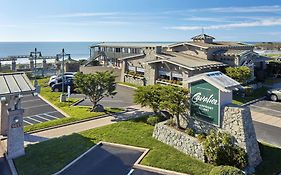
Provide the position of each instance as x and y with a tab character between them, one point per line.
118	50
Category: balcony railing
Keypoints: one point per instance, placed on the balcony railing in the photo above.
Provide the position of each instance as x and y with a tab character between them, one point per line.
169	82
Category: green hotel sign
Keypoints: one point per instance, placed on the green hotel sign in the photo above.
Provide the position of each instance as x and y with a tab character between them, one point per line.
205	102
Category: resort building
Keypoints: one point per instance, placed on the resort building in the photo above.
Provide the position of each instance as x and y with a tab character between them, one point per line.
151	63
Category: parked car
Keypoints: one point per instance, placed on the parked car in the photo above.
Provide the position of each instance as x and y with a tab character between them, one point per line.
59	75
58	86
59	79
274	94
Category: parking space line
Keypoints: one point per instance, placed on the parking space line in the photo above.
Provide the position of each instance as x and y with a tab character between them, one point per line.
42	117
42	114
27	122
52	116
35	120
31	100
37	106
132	170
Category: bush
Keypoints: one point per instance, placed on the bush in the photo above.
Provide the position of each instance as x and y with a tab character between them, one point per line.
190	132
201	137
226	170
152	120
220	150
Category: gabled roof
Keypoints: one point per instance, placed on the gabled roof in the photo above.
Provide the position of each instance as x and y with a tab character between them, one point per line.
187	61
202	36
15	83
217	79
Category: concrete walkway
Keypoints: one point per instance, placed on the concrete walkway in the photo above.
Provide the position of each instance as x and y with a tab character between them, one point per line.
133	111
266	119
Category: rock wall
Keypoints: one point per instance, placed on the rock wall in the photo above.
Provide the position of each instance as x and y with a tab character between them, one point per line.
179	140
237	121
134	80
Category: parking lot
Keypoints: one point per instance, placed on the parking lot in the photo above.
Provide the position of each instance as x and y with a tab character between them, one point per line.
123	98
37	111
98	159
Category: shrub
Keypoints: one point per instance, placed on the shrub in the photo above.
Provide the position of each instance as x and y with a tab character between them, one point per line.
226	170
201	137
220	150
190	132
152	120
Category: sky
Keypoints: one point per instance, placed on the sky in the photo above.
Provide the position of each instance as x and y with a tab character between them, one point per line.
142	20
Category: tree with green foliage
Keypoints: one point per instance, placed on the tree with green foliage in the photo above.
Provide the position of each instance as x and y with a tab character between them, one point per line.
149	96
240	74
96	86
174	99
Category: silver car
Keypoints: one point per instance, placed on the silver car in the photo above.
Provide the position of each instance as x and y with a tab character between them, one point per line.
274	94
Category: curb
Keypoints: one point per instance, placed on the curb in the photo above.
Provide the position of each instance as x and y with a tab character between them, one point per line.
253	101
11	165
127	86
58	109
72	123
135	165
79	101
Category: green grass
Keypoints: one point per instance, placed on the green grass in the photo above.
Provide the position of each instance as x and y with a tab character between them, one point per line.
271	160
76	113
273	55
239	100
52	155
129	84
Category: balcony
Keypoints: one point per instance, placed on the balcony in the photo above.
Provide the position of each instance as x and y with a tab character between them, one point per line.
169	82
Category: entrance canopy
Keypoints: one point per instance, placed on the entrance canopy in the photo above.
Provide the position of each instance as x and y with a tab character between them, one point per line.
14	84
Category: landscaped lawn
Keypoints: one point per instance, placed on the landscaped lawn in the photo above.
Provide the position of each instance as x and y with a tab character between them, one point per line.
52	155
239	100
76	113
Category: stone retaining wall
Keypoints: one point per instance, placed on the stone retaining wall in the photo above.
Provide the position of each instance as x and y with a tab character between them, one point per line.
179	140
134	80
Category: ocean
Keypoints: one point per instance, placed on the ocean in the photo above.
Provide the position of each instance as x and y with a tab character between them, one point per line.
78	50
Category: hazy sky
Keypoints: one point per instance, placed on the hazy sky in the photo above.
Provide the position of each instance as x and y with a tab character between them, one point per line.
139	20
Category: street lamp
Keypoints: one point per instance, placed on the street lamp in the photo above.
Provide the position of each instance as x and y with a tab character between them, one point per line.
34	55
62	55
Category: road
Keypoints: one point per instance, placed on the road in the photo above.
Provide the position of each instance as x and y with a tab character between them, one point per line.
37	111
268	123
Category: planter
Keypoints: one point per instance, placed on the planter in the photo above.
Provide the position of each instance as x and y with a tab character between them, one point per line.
179	140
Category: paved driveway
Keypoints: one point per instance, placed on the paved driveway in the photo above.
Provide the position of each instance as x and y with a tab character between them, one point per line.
267	107
267	121
37	111
106	160
122	99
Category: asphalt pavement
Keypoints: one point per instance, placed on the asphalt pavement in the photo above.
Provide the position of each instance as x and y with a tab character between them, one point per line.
122	99
267	132
37	111
106	160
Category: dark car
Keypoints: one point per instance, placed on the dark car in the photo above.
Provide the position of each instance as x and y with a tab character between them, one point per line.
58	86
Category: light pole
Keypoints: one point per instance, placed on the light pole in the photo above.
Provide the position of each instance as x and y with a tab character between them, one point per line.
62	55
34	55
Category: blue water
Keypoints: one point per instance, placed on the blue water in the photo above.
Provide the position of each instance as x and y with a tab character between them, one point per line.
78	50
